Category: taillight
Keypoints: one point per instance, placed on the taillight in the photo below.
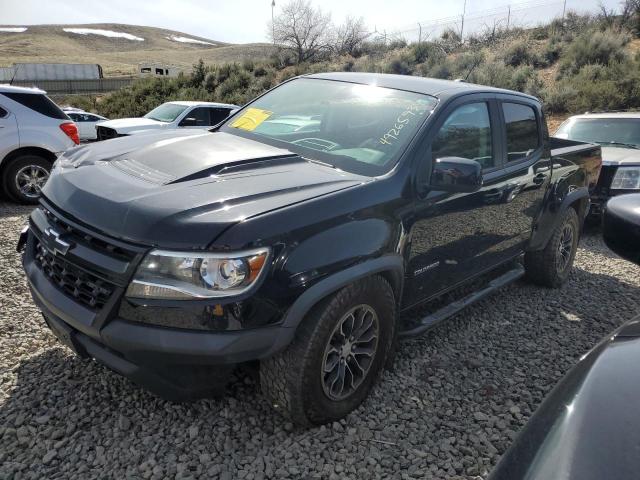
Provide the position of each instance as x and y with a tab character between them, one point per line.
71	130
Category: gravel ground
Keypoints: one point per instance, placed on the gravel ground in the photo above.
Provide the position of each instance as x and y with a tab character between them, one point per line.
452	404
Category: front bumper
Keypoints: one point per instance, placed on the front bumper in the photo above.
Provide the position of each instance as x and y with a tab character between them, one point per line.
173	363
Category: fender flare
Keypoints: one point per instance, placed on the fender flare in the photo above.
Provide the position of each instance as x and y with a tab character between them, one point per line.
394	264
546	227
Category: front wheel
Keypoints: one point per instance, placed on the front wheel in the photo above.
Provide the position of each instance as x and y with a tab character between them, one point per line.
24	178
338	352
551	267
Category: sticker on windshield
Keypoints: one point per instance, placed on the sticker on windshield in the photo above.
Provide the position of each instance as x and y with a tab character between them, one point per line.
251	119
403	120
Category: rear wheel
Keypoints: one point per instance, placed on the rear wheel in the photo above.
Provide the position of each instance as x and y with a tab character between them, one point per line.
551	267
338	352
24	178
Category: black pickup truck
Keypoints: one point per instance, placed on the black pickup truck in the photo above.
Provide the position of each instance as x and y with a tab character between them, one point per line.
297	231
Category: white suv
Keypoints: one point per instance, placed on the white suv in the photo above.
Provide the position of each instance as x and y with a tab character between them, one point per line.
33	132
168	116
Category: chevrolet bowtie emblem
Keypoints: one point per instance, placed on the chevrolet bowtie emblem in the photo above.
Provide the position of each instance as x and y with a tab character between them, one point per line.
56	244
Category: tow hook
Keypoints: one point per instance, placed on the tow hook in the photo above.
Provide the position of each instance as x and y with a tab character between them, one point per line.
22	239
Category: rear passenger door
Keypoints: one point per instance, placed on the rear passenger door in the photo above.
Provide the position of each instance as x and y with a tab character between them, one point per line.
526	165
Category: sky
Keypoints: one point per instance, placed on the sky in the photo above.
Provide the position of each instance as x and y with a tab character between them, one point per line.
243	21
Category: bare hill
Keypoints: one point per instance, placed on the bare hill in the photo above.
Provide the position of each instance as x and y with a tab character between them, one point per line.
118	48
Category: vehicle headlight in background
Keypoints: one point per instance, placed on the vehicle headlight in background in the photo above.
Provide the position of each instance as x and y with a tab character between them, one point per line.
171	275
626	178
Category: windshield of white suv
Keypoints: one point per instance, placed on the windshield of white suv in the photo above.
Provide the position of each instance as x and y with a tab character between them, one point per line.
609	132
355	127
167	112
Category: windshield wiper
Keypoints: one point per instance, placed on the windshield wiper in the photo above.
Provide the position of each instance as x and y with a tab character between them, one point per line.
622	144
320	162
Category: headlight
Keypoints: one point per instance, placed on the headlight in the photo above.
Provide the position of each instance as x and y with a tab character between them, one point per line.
626	178
188	275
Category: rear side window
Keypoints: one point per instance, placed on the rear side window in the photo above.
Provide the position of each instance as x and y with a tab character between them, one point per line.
522	130
40	103
466	133
218	115
3	112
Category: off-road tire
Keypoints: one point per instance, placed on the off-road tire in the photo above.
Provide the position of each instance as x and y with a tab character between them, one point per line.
292	382
541	266
10	173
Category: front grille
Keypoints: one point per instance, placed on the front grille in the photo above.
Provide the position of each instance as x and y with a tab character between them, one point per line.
105	133
90	241
83	286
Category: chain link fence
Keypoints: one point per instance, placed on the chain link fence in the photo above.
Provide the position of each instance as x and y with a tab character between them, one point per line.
470	23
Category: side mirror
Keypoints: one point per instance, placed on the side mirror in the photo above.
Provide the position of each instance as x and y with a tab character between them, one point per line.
621	226
456	174
188	122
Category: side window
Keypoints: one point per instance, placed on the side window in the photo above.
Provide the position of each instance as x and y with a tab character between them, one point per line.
218	115
3	112
39	103
522	130
201	116
74	117
466	133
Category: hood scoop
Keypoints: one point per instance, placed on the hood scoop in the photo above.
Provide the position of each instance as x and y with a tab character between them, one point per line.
163	161
142	171
240	166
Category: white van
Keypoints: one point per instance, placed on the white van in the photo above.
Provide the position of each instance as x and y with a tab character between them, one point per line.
33	132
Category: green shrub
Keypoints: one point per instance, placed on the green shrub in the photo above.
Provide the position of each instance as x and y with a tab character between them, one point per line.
593	47
551	51
398	66
557	99
519	53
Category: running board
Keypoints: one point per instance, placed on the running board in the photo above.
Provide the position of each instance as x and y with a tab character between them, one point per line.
448	311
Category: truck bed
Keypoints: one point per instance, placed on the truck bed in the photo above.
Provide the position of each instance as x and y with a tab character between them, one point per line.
566	152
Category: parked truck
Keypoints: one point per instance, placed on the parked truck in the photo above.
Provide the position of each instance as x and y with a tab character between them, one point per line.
173	257
619	135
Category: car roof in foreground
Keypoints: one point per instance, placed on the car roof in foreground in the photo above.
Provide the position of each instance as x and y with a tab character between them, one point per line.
633	115
427	86
212	104
6	88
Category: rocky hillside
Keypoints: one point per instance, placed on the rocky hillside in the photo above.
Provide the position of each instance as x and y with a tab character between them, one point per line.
118	48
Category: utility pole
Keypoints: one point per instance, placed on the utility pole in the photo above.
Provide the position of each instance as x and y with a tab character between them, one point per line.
564	9
508	18
419	33
273	26
464	10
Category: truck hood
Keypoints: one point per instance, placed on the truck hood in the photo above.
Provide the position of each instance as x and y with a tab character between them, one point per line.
620	156
181	191
126	125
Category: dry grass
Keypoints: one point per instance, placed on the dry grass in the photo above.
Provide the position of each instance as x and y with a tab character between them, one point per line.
49	43
554	121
